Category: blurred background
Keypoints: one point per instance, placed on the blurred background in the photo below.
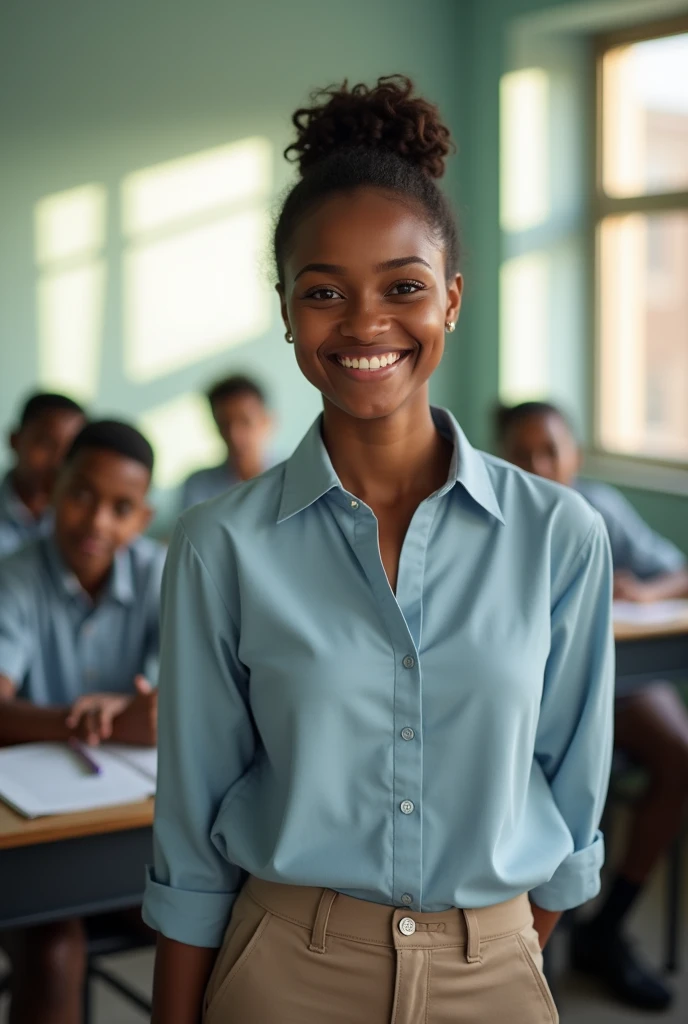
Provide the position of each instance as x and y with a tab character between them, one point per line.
141	164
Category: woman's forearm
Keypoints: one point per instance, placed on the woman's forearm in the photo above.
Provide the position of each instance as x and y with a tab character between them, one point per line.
545	922
181	978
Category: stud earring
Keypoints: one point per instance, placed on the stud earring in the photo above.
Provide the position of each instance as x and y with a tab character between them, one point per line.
289	338
450	327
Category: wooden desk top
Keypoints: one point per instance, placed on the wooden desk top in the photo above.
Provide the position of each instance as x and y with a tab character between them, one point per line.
18	831
650	631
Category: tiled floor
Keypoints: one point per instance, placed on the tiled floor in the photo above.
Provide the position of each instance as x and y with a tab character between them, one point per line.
580	1002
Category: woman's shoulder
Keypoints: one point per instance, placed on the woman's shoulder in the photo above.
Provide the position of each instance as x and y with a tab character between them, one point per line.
541	507
239	513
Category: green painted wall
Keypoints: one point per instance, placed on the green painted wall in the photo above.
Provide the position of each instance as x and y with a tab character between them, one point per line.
91	92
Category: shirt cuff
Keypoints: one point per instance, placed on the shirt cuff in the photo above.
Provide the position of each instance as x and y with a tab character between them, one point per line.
575	881
194	918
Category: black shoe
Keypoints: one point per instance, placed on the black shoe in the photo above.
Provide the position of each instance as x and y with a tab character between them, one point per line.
612	959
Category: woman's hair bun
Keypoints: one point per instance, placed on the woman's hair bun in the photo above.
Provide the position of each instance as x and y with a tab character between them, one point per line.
387	116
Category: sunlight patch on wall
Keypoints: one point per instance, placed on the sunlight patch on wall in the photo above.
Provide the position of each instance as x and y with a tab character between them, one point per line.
70	328
159	196
70	225
524	318
524	149
190	296
193	283
183	436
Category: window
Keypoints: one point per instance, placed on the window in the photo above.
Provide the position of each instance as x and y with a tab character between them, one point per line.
641	226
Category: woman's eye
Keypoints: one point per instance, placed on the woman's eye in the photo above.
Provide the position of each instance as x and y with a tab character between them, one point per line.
323	294
406	288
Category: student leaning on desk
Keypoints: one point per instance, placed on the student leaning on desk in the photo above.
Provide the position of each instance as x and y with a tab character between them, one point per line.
651	720
78	633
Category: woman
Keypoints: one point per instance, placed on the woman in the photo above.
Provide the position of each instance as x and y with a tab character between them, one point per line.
385	707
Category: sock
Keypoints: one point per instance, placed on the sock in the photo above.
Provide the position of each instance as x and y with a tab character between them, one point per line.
619	901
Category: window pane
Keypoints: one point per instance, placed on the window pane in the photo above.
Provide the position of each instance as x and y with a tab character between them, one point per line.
645	117
644	335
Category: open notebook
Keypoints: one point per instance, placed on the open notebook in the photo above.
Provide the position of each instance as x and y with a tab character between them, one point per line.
656	613
48	778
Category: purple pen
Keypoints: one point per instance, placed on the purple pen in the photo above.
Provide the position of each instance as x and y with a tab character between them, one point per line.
88	762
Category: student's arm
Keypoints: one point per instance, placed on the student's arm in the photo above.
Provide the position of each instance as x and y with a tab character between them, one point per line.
206	743
664	587
23	722
573	743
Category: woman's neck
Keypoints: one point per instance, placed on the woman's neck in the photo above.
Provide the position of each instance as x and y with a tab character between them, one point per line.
385	461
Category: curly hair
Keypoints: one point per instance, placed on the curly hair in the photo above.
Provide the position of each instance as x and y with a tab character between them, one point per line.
369	137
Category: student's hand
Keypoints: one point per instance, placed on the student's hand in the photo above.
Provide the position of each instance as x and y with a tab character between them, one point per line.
628	587
138	722
92	716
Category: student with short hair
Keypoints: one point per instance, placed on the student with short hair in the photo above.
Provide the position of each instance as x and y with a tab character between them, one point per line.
48	423
242	417
78	650
651	720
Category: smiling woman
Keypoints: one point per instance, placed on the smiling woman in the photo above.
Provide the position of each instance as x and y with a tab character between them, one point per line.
385	697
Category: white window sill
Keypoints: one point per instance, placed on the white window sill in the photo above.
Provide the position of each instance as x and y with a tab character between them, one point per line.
644	475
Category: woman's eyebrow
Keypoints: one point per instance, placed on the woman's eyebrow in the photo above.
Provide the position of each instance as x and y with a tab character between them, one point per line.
336	268
322	268
401	261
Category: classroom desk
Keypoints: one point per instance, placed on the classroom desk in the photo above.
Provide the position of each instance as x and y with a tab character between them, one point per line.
646	652
72	864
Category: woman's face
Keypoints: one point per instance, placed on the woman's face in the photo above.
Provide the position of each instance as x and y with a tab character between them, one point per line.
366	299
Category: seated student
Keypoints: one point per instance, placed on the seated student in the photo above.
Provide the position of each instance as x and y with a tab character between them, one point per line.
240	412
651	720
47	426
78	634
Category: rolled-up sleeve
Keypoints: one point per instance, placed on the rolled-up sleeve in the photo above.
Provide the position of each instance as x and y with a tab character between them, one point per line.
206	743
574	736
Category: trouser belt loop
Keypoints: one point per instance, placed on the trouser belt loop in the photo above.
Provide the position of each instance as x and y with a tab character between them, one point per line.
473	941
319	933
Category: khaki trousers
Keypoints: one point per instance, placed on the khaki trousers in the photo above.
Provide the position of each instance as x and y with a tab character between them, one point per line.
299	955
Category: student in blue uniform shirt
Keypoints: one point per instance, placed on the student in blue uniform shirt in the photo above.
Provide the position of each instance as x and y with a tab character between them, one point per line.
47	426
651	721
78	650
244	422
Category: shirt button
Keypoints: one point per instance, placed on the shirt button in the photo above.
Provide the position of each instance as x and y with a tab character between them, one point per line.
354	504
407	807
408	661
407	926
407	898
407	733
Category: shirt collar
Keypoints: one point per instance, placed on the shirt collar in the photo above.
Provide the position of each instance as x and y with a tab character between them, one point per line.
309	473
120	585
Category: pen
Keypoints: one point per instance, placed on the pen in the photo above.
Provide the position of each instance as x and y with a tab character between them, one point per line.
88	762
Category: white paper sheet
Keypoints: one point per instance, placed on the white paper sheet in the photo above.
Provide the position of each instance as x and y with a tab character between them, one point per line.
48	778
144	759
657	613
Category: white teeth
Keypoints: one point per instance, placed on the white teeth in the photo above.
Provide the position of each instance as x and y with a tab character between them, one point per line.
374	363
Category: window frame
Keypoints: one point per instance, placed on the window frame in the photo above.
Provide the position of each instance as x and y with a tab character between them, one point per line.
669	475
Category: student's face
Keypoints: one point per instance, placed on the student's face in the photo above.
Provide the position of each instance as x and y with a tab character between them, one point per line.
344	299
244	425
41	445
100	506
545	446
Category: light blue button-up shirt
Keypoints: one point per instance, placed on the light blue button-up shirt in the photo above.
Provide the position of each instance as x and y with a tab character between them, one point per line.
445	746
57	644
17	526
